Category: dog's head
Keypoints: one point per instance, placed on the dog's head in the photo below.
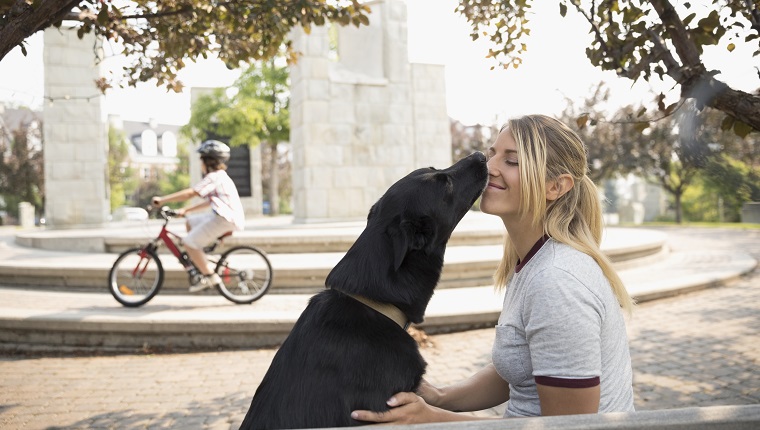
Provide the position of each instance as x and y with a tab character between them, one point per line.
398	258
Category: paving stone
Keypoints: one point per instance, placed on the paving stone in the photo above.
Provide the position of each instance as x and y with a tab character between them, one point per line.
696	349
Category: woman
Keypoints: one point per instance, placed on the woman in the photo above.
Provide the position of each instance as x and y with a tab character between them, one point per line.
561	346
220	194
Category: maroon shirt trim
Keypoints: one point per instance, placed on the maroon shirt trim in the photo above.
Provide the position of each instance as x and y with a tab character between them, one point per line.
531	253
567	383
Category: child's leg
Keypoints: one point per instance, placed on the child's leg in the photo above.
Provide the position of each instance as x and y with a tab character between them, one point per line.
203	232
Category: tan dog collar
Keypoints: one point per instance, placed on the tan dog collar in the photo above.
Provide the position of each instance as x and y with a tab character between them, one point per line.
388	310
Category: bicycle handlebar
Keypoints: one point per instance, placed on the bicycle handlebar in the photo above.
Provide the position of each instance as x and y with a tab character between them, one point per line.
165	211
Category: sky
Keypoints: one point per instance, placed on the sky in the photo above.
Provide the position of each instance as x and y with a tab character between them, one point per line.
555	68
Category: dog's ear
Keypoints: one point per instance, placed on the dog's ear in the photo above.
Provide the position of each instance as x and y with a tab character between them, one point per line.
410	235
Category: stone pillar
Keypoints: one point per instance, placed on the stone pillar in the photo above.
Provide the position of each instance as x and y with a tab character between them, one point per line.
26	215
76	142
361	122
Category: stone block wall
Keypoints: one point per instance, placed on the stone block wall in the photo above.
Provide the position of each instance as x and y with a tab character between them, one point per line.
76	142
360	123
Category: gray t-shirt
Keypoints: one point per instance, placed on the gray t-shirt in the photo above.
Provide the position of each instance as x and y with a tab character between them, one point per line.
562	320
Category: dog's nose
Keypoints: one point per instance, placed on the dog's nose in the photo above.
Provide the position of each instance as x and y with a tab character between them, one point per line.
479	156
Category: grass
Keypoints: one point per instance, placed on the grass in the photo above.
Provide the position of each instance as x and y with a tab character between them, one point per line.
733	225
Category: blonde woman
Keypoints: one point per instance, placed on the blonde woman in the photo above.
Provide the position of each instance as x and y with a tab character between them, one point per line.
561	347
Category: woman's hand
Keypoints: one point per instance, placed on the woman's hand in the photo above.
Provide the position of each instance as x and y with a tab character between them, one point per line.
430	393
406	408
181	212
156	201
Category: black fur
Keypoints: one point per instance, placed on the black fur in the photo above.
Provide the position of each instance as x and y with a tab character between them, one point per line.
342	355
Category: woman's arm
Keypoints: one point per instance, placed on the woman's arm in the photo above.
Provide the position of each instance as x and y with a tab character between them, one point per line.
483	390
568	401
409	408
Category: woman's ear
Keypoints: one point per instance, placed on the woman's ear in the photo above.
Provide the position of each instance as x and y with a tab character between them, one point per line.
558	187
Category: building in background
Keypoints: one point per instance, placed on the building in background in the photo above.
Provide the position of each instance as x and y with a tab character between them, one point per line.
152	146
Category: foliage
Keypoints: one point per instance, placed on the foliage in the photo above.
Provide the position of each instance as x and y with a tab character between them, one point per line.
148	188
121	176
256	113
159	37
710	128
22	168
611	145
734	181
641	40
670	152
467	139
699	204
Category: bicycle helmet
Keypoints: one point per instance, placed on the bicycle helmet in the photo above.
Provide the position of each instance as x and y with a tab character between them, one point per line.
215	149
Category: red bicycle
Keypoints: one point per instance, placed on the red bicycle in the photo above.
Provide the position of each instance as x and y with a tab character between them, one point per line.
137	274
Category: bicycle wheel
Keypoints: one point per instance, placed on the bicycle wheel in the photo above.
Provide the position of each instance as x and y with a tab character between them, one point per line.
246	274
135	277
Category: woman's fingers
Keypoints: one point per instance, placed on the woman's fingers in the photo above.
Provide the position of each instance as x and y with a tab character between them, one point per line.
400	411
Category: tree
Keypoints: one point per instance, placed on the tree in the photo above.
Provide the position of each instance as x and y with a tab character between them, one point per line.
641	39
611	148
121	176
256	114
467	139
672	154
159	36
21	168
734	181
179	178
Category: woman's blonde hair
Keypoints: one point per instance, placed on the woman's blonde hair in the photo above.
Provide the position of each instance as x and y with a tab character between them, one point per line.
546	149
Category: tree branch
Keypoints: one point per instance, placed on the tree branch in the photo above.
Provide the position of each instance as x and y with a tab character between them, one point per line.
685	47
31	20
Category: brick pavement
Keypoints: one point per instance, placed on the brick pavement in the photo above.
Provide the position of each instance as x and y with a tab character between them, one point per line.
698	349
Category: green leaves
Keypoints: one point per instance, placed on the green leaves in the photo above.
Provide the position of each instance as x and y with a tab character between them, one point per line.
158	37
637	39
257	113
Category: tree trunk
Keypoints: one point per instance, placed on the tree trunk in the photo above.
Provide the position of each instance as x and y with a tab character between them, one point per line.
679	216
274	181
25	20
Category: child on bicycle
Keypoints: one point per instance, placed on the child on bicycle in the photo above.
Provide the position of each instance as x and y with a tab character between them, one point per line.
218	192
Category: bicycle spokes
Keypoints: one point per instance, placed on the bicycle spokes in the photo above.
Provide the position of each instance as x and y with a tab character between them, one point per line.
246	274
135	277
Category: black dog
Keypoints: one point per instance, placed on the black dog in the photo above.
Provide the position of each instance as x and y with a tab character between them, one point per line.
349	349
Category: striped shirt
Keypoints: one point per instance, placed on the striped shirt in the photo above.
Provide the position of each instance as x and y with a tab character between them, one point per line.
217	187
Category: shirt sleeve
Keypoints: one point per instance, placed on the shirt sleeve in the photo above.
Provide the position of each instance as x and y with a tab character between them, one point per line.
563	320
206	186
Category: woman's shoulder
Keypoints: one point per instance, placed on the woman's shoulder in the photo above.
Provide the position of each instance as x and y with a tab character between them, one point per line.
564	256
563	262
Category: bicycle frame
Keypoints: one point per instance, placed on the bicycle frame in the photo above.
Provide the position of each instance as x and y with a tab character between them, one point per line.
168	237
239	285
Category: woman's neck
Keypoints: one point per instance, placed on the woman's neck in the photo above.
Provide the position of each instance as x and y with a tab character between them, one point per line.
523	235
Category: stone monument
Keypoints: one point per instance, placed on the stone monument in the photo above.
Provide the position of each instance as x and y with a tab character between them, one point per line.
361	121
76	142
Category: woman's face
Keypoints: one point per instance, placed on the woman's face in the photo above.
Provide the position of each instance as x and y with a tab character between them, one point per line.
502	195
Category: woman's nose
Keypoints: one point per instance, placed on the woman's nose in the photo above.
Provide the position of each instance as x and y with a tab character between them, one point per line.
491	170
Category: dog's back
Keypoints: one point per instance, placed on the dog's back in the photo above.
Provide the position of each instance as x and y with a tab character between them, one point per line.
339	357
